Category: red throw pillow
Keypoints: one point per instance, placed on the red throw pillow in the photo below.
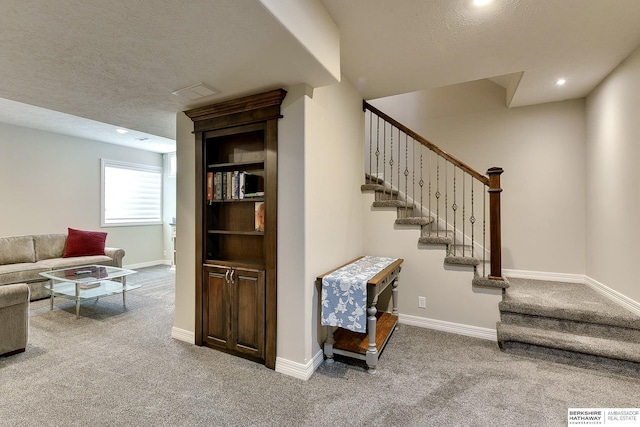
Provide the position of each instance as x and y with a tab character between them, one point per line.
84	243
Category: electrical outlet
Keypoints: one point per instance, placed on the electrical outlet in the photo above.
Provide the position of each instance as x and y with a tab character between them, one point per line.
422	302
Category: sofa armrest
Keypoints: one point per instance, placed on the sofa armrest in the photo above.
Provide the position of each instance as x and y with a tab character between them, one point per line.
14	294
116	254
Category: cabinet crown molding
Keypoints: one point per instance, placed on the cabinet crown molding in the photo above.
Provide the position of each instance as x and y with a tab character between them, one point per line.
238	105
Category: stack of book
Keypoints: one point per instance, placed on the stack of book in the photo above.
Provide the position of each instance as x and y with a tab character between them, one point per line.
233	185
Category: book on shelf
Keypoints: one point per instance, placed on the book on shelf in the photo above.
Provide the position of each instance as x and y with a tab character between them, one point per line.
232	185
89	285
225	181
217	180
259	216
209	186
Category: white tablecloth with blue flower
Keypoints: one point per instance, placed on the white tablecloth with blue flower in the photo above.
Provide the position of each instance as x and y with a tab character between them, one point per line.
344	293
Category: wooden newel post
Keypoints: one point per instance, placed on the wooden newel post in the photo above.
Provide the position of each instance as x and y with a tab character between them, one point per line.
495	233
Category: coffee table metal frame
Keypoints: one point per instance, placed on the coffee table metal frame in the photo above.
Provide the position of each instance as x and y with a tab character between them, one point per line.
72	283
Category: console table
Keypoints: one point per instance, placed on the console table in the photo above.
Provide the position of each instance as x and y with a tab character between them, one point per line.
380	325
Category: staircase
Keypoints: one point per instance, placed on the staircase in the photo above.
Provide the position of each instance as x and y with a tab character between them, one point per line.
435	192
430	233
567	321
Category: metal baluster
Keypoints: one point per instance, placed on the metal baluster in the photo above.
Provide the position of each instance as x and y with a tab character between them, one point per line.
384	159
377	149
370	144
464	205
391	164
413	168
406	165
446	198
438	194
472	220
430	172
484	231
421	182
454	207
399	163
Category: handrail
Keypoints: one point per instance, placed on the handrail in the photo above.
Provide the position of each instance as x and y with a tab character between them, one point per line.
431	146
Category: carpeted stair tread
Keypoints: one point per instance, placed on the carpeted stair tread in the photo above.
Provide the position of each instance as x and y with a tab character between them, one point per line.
569	301
415	220
392	204
486	282
441	238
461	260
602	347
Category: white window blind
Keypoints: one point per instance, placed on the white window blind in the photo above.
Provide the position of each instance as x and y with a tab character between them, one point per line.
131	194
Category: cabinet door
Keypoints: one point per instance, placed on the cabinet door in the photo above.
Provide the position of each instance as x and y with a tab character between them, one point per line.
216	313
247	312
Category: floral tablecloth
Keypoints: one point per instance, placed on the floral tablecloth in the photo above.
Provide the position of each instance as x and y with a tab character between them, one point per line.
344	293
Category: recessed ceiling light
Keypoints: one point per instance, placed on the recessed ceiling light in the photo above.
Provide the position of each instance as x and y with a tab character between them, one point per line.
480	3
121	131
560	82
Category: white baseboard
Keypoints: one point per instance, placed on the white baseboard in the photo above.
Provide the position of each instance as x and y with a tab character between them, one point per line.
147	264
454	328
183	335
542	275
624	301
298	370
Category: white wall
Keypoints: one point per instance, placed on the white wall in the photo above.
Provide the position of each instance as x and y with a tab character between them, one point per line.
51	182
613	181
542	151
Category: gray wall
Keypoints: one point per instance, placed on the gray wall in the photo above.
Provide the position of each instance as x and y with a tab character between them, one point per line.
51	182
613	181
542	151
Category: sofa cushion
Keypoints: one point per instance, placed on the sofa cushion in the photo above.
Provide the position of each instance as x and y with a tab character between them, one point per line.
49	245
82	243
16	249
58	263
21	273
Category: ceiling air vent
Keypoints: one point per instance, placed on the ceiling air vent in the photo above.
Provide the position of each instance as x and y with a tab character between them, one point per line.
194	92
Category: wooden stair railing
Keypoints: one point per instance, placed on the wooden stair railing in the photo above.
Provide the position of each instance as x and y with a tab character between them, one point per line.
382	132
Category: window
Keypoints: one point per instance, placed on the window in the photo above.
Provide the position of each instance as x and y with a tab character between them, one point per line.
173	165
131	194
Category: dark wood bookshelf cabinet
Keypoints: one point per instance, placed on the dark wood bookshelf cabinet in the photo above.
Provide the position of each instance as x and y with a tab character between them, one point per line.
236	225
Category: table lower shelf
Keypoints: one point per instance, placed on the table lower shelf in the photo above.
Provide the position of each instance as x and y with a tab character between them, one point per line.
107	287
356	344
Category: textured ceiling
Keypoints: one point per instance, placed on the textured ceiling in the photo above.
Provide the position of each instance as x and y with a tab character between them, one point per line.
410	45
116	63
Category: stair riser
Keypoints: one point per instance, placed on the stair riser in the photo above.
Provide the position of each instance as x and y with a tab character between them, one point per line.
569	326
405	213
381	195
588	361
505	338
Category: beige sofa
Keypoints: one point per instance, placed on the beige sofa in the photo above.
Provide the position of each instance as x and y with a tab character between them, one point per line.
14	318
23	258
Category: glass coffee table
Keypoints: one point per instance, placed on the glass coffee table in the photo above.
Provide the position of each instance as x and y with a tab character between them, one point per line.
88	282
